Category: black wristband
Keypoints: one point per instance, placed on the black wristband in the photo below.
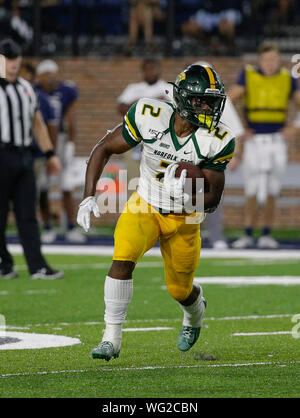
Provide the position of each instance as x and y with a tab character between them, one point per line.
49	154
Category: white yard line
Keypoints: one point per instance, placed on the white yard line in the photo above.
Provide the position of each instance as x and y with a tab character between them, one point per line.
96	266
255	262
205	253
32	292
267	363
250	334
238	318
250	280
146	329
12	327
132	321
159	264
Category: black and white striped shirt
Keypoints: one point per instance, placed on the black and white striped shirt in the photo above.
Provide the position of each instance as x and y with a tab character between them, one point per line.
18	104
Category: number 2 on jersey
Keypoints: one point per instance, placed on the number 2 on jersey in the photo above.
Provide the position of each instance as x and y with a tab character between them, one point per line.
159	176
151	110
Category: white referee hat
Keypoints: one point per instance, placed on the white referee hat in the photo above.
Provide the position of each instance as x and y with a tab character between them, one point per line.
47	66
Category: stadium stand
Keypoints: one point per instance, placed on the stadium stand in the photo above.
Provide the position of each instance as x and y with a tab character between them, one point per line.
101	26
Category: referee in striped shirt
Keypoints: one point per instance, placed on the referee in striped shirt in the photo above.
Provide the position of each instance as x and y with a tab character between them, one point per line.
20	119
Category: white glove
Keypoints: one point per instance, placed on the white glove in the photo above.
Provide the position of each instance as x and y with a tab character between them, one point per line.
174	186
87	206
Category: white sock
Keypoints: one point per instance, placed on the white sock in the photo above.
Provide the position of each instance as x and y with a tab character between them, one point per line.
117	296
193	314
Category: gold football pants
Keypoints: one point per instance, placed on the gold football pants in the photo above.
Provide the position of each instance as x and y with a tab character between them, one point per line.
139	228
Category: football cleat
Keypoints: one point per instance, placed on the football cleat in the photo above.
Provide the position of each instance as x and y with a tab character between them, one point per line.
220	245
73	235
267	242
189	335
244	242
47	273
49	236
7	273
105	350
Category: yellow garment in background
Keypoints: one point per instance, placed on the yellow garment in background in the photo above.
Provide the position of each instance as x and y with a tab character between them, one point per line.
267	98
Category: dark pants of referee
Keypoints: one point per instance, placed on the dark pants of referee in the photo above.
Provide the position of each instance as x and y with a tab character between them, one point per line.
17	185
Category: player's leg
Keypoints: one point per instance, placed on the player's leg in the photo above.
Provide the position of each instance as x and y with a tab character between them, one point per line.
268	215
118	290
181	257
251	212
66	184
135	234
6	185
148	23
24	206
214	223
251	184
133	27
278	157
48	234
65	180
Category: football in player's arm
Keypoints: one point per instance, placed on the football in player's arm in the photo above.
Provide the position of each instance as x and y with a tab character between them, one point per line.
188	130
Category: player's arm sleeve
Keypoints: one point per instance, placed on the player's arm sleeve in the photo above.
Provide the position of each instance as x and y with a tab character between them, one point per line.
47	111
35	102
219	161
241	79
294	85
130	129
71	92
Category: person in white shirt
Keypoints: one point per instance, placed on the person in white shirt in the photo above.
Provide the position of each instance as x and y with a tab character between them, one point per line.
153	87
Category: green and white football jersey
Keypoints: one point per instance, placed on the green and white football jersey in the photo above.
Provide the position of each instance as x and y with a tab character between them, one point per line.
151	122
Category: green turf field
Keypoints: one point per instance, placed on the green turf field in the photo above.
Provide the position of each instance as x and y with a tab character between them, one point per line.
221	364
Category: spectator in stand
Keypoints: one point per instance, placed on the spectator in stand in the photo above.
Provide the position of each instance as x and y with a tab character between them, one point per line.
13	25
213	20
275	13
141	14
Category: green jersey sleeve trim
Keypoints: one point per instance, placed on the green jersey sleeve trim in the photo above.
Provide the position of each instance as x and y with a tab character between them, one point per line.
131	132
130	120
130	141
219	162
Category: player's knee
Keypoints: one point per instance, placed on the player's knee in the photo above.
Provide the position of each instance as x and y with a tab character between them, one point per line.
179	292
121	270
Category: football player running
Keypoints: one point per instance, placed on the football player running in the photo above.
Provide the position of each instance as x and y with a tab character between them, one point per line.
187	130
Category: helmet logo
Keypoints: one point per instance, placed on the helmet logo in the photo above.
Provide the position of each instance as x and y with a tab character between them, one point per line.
181	76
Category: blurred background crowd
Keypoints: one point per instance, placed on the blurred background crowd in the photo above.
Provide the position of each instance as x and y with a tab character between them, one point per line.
166	27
